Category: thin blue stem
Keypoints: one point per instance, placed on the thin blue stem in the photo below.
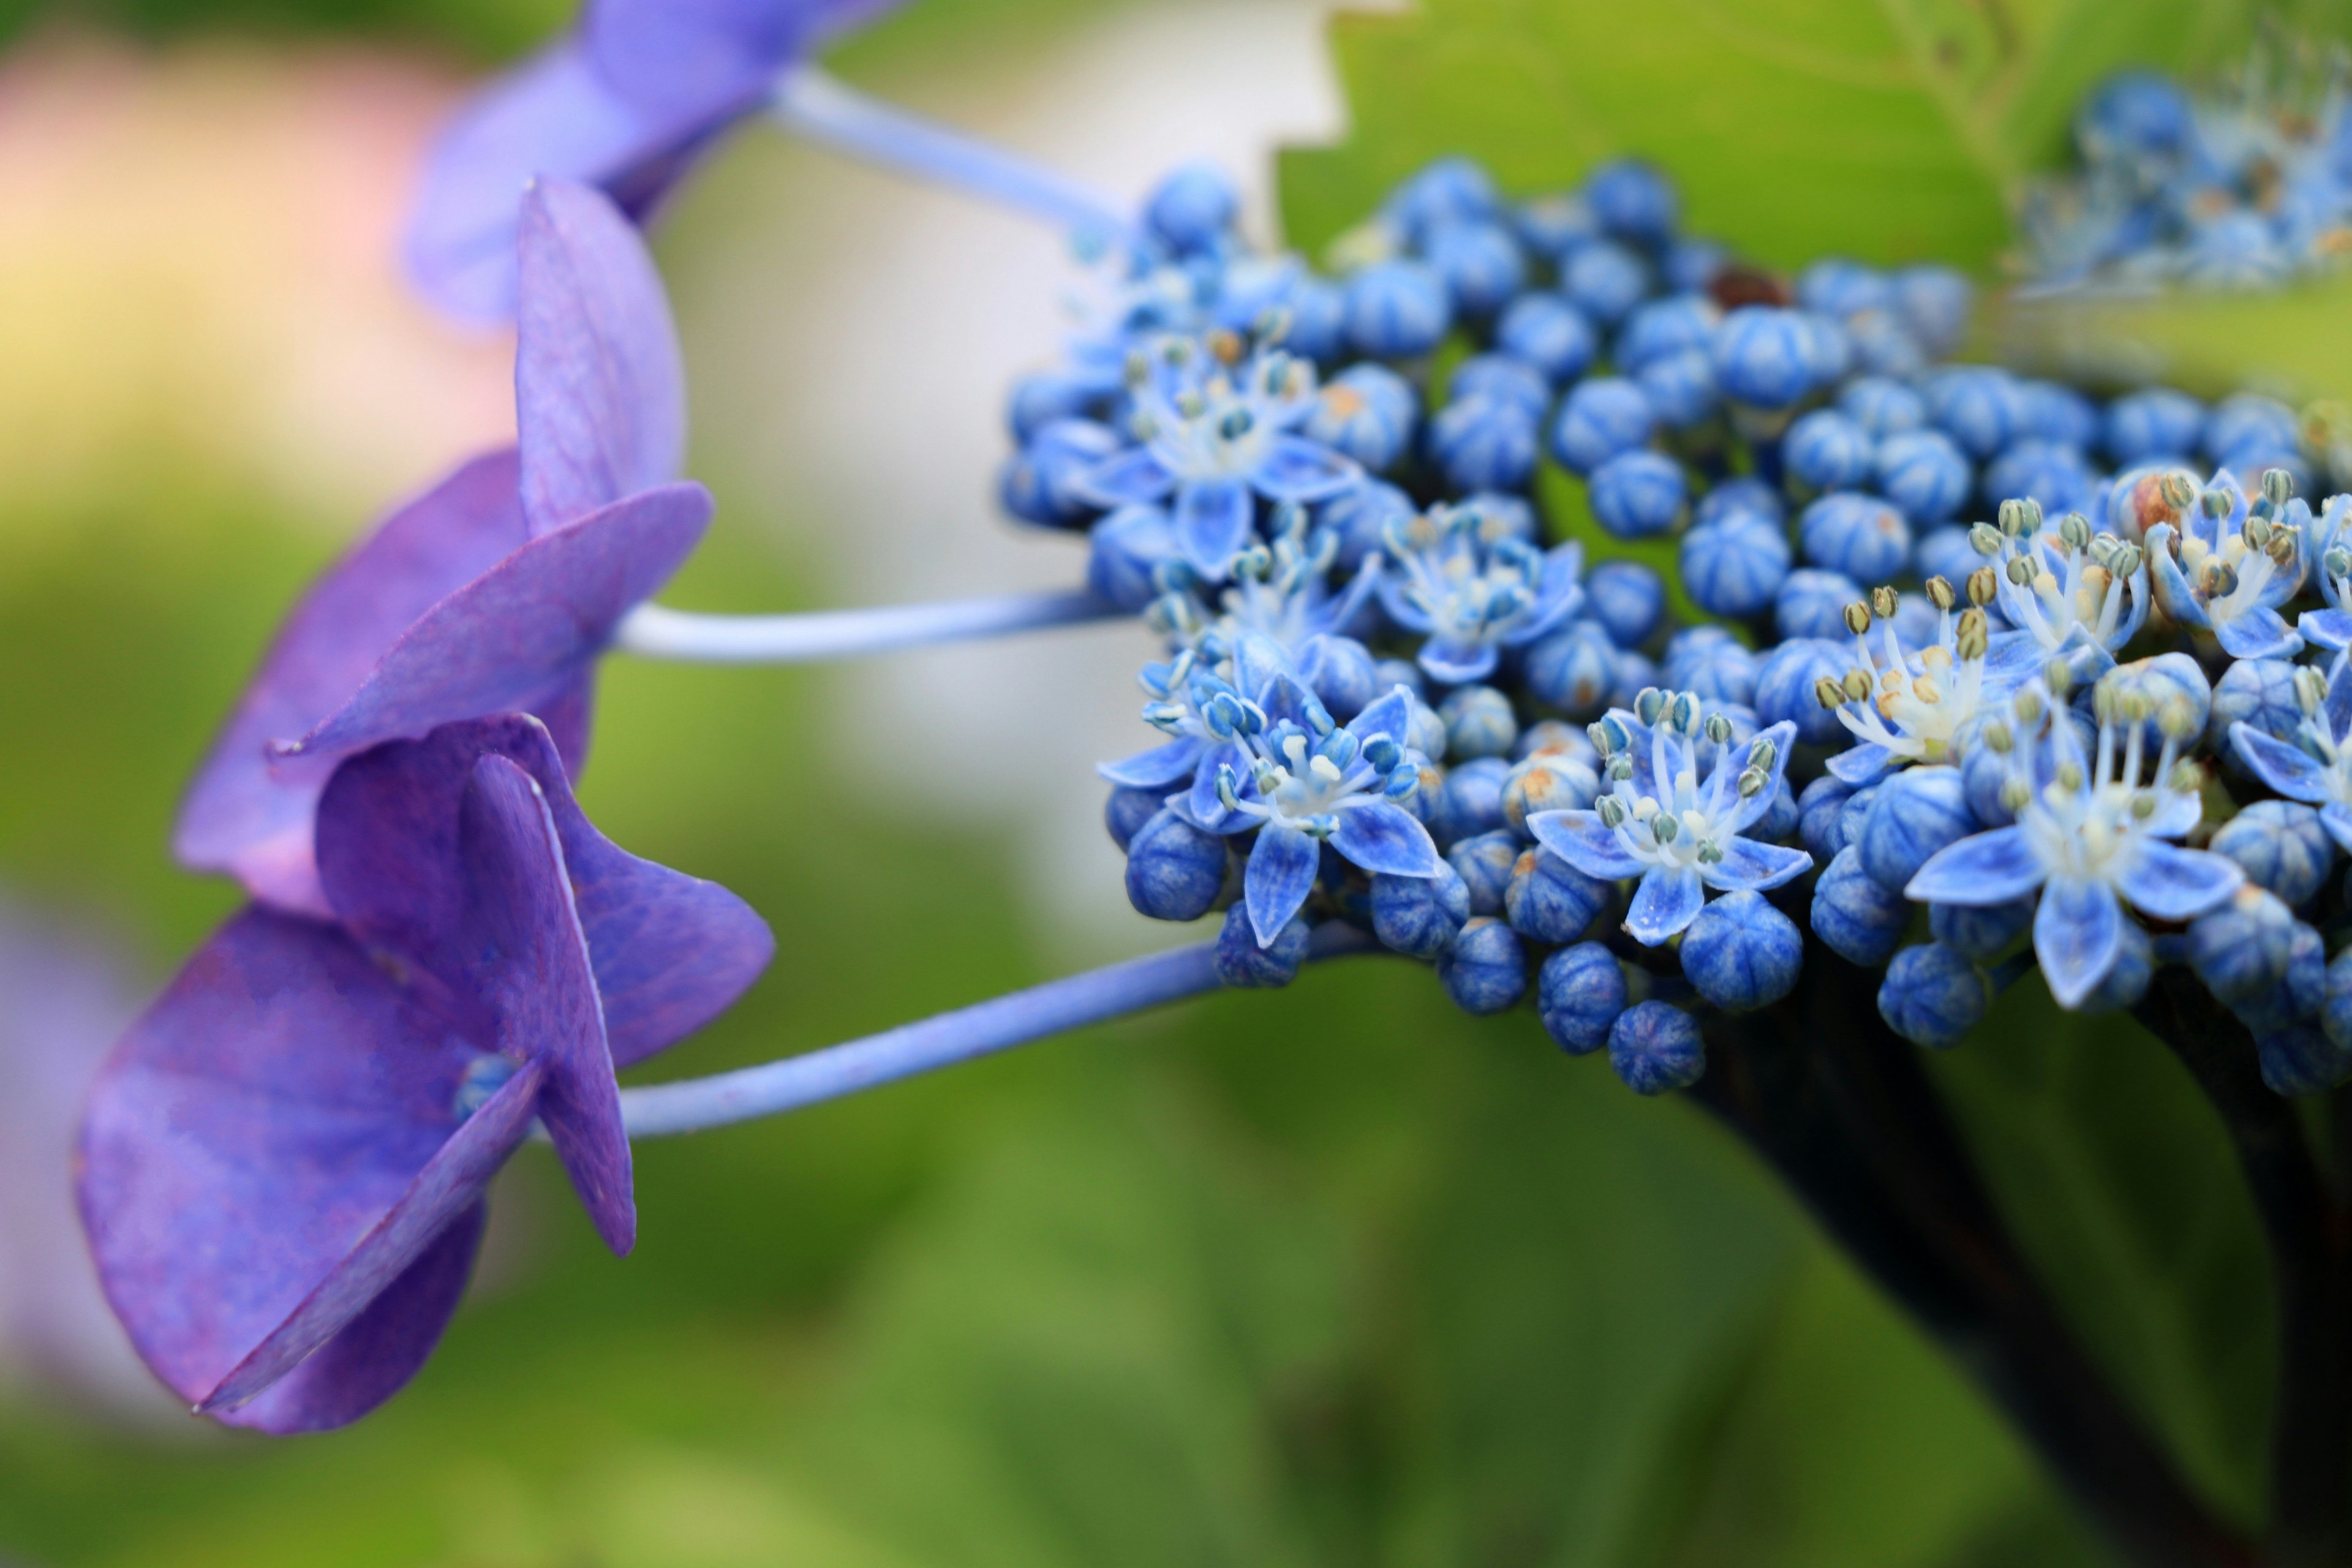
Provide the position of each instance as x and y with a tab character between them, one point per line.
823	109
1097	996
652	631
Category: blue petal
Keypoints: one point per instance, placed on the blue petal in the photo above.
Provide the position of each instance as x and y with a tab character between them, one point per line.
2014	656
2338	707
1163	767
2325	628
2290	769
1203	804
1284	700
1257	660
1982	869
1133	476
1666	901
1756	867
2078	932
1578	838
1732	761
1213	519
1281	874
1389	714
1860	764
1381	836
2338	820
1296	469
1455	662
1559	595
2175	884
2172	589
2258	632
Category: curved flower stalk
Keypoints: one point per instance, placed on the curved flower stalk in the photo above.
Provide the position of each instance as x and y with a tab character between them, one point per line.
1460	576
2228	566
1904	707
2068	592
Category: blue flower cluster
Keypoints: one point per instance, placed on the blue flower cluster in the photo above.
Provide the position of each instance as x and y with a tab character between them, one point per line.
1958	653
2241	184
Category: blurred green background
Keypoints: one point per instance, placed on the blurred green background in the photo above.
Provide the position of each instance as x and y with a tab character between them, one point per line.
1335	1276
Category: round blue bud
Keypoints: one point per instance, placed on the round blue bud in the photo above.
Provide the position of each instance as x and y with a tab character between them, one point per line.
2056	412
2245	422
1978	406
1765	357
1946	552
2303	1059
1572	670
1692	266
1551	780
1881	407
1579	991
1405	673
1397	310
1043	397
2054	476
1983	772
2335	1009
1555	738
1635	495
1829	349
1480	262
1827	451
1733	568
1479	723
1601	417
1933	995
1924	473
1861	920
1635	671
1501	378
1545	330
1485	971
1483	444
2280	846
1449	190
1484	864
1779	822
1933	304
1127	810
1360	518
1745	494
1604	280
1818	811
1633	201
1425	732
2299	993
1656	1048
1419	916
2167	679
1471	802
1856	535
2242	949
1741	953
1341	672
1883	346
1553	225
1918	811
2132	116
1855	812
1981	933
1174	870
2157	424
1500	515
1711	662
1192	209
2259	692
1785	683
1626	598
1681	387
1317	313
1125	553
1241	961
1039	483
1549	900
1811	604
1915	621
1837	287
1366	412
1664	327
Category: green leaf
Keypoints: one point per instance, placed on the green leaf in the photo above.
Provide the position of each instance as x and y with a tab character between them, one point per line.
2294	342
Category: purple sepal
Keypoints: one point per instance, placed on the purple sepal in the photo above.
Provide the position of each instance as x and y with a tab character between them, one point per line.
1163	767
681	55
2258	632
1279	876
1860	764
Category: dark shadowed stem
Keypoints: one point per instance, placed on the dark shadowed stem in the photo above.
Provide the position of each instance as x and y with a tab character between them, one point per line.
2310	1238
1840	1108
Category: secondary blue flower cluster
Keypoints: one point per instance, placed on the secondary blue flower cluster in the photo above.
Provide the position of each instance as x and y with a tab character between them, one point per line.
2242	184
1948	654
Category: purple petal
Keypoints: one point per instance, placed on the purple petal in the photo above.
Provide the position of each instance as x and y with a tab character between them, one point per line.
1980	870
522	629
242	817
2258	633
2077	933
1732	762
1295	469
2170	883
1860	764
1580	838
1755	866
1280	874
2290	769
1383	837
1207	811
1158	768
1130	479
680	53
1285	701
671	952
1457	661
1559	595
1667	900
2172	589
1213	519
274	1104
600	394
2329	630
1389	714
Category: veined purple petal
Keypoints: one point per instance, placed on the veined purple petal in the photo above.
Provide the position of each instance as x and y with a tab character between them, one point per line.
680	53
2330	629
1389	714
1158	768
2290	769
2077	933
1580	838
1295	469
270	1108
1383	837
1747	864
1287	699
1214	519
1980	870
600	392
1860	764
1132	477
245	818
671	952
1668	899
1280	874
2258	632
2169	883
524	628
1458	661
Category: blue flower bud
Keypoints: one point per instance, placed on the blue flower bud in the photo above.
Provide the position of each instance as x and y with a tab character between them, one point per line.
1983	772
1449	190
1038	484
1604	280
1741	953
1317	313
2126	983
2156	424
1733	568
1479	723
1933	995
1484	864
1934	303
1881	408
1471	801
1485	971
1811	604
1779	822
2335	1007
1946	552
1483	444
1860	919
1883	346
1572	670
1853	815
1241	961
1633	201
1126	551
2247	422
1626	598
2056	476
1044	396
1360	518
1549	900
1127	810
2303	1058
1552	226
1765	357
1579	991
1601	417
1825	450
2259	692
1636	495
2299	993
1192	209
1419	916
1547	332
2282	847
1745	494
1174	870
2241	949
1918	811
1818	811
1711	662
1662	328
1502	379
1856	535
1366	412
1656	1048
1692	266
1480	262
2056	412
1681	387
1978	406
1785	687
1924	474
1397	310
1425	732
1634	671
1981	933
2132	116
